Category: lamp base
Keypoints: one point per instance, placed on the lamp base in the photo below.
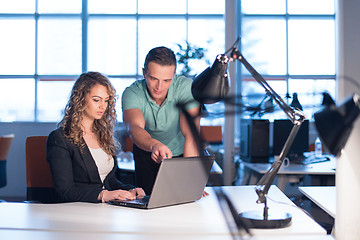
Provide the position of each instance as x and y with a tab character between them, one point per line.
256	219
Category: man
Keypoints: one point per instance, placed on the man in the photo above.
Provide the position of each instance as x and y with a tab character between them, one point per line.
155	124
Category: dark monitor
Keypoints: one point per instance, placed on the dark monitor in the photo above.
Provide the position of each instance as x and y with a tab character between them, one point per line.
282	128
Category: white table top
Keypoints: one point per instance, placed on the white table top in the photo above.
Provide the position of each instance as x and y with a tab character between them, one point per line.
202	219
323	196
320	168
57	235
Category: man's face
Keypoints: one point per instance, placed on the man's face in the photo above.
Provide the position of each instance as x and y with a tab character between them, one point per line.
158	80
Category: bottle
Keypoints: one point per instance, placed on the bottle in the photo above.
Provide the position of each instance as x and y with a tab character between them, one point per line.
318	148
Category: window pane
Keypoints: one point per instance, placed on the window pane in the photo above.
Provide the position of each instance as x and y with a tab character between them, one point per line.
52	98
216	113
311	47
206	6
152	34
17	6
211	38
311	7
17	46
59	6
310	92
112	6
162	7
17	100
109	51
59	46
254	94
120	84
264	45
263	6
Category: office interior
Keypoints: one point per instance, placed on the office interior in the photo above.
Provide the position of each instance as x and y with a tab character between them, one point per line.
347	54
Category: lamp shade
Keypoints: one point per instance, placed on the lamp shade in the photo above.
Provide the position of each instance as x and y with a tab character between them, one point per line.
212	84
334	124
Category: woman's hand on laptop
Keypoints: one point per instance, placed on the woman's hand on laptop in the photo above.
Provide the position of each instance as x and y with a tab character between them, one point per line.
137	192
117	195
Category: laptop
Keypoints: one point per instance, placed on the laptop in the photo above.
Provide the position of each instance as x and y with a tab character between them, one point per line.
179	180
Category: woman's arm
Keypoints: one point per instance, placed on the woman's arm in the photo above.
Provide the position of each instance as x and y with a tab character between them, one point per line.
62	159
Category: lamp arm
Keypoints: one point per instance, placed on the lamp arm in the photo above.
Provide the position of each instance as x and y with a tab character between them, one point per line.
262	187
296	117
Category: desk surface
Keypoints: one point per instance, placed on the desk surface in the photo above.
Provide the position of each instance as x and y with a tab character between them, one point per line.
320	168
201	219
324	197
57	235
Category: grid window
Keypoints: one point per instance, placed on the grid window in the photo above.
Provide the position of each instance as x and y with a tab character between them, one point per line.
264	45
17	99
59	6
59	46
112	6
292	44
311	47
51	101
48	43
112	46
17	46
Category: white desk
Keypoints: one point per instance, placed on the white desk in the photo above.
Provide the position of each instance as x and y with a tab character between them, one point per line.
291	173
324	197
201	220
58	235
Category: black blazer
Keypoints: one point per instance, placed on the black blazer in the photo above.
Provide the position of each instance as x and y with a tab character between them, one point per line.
75	174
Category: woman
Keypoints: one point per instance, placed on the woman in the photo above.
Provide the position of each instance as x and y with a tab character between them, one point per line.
81	151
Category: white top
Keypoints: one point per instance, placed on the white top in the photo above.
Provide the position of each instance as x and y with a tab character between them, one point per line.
323	196
103	162
198	220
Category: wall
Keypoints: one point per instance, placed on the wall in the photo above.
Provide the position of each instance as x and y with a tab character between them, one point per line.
348	164
16	164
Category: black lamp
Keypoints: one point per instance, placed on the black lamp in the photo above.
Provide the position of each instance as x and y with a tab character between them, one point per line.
212	84
204	91
334	124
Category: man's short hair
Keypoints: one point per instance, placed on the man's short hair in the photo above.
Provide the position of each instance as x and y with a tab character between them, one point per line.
160	55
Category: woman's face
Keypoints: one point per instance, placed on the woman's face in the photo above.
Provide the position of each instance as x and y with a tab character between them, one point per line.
97	101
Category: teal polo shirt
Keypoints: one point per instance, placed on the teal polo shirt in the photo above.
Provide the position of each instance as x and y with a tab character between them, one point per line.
162	122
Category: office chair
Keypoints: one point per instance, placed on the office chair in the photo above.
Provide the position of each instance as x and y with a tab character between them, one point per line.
5	144
213	139
40	187
211	134
128	145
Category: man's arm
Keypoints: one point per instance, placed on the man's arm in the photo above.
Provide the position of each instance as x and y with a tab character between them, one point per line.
135	122
190	146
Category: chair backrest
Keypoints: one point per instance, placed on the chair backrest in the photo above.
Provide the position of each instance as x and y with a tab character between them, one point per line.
39	182
128	145
211	134
5	144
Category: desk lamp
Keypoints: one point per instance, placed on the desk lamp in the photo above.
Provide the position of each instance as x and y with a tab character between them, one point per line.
204	91
335	126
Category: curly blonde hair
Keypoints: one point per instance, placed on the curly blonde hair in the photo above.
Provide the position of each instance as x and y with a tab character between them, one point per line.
103	127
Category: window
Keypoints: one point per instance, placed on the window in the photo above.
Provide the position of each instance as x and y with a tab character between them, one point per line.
46	44
49	43
292	44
